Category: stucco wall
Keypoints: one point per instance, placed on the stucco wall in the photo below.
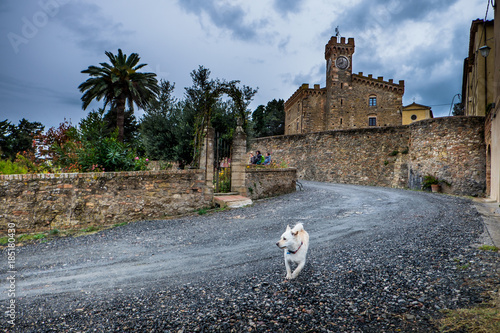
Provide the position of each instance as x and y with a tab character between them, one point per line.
451	148
46	201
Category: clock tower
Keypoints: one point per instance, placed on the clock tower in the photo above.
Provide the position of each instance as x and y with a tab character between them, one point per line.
338	57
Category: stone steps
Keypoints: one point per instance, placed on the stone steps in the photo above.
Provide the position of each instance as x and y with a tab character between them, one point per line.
232	200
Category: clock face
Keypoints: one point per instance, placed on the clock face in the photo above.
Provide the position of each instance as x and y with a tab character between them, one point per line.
342	62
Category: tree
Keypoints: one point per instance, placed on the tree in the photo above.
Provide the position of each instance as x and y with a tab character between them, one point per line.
119	84
16	139
269	120
167	127
59	145
130	125
458	109
201	97
241	98
93	128
6	139
204	95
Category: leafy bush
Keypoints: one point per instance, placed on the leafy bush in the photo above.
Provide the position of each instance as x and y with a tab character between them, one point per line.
141	163
106	155
428	181
12	168
59	146
224	180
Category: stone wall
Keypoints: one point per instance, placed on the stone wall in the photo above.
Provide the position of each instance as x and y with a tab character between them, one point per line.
368	156
451	148
46	201
269	182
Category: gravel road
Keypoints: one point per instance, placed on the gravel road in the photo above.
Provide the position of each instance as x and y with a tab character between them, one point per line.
380	260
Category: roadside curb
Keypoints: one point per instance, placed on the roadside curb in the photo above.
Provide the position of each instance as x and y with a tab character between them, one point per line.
490	212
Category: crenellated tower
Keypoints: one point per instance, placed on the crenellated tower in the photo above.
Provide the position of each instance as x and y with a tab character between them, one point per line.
348	101
338	56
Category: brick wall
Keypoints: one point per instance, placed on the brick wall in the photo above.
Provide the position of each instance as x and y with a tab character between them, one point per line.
268	182
45	201
399	156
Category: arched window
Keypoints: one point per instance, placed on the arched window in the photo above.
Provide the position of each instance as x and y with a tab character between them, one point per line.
372	100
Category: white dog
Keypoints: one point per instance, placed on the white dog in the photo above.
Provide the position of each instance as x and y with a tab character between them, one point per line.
295	242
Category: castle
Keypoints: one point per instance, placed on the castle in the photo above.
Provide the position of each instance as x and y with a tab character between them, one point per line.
348	100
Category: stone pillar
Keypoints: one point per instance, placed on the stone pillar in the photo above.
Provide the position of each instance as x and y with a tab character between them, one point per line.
207	157
239	161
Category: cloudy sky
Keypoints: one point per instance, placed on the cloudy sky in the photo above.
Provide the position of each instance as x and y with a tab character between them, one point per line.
272	45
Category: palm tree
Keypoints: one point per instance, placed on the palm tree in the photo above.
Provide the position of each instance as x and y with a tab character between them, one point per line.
119	84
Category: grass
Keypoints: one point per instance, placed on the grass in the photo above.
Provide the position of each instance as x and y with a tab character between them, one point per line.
484	318
31	237
90	229
481	318
488	248
202	211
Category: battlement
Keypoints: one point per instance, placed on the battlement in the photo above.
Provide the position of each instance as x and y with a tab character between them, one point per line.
379	82
303	91
335	47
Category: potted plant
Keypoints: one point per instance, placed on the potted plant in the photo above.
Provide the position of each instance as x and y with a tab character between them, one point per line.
433	183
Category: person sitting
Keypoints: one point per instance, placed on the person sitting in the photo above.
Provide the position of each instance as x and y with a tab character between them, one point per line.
252	159
258	158
267	159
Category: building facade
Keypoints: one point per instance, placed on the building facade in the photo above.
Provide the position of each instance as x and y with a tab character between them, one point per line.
478	77
493	150
348	100
479	89
416	112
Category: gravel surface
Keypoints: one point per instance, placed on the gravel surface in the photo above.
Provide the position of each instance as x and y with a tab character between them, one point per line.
380	260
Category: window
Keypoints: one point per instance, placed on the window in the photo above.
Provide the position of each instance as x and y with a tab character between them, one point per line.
372	101
372	121
413	117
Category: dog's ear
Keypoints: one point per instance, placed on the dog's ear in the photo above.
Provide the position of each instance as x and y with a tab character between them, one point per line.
295	233
288	228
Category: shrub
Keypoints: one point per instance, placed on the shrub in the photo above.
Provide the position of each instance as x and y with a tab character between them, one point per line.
140	163
109	154
12	168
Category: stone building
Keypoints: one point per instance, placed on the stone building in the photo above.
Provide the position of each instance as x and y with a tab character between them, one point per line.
493	152
416	112
479	87
478	76
348	100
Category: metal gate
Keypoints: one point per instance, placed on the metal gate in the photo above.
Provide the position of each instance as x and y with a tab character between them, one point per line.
222	164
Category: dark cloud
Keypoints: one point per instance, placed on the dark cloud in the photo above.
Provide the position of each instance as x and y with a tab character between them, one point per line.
224	17
14	88
284	7
92	30
370	14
